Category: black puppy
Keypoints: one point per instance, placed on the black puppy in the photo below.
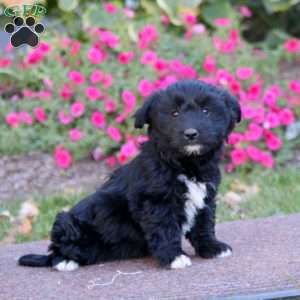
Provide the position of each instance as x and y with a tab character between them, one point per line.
165	193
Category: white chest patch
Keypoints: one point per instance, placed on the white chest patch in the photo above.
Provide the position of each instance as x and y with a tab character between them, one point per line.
195	200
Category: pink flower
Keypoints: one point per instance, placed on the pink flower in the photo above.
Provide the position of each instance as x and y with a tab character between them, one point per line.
272	120
235	87
145	87
161	65
125	57
76	77
273	142
244	73
5	62
110	8
64	118
25	117
266	160
63	157
95	56
40	114
98	119
148	58
75	135
93	93
222	22
224	77
110	106
107	81
13	120
259	115
75	48
245	11
48	83
77	109
66	92
254	91
292	45
111	161
44	47
239	157
147	36
129	100
235	138
286	117
294	86
198	29
141	139
209	64
189	19
254	132
270	99
248	112
34	57
254	153
276	90
127	151
129	13
96	76
114	133
109	38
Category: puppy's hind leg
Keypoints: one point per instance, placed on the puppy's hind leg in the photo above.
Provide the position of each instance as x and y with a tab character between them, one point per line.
65	234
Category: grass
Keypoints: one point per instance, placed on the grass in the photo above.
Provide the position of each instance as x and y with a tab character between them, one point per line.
278	193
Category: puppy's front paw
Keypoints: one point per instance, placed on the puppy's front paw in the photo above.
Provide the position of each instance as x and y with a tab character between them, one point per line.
180	262
66	266
214	248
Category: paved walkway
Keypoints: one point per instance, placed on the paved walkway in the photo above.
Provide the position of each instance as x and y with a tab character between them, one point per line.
266	259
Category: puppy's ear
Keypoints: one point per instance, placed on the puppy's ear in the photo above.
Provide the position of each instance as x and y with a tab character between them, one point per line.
234	108
142	115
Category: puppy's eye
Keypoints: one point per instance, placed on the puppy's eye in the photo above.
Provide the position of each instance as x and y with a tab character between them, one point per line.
175	113
205	111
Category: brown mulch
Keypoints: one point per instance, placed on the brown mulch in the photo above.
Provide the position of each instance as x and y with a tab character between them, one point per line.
36	174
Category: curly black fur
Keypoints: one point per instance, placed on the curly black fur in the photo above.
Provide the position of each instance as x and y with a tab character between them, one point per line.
141	209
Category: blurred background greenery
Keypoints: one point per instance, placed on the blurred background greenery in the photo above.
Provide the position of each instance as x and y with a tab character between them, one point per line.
271	20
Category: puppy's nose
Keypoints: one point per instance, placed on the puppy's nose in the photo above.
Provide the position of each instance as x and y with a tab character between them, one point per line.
190	134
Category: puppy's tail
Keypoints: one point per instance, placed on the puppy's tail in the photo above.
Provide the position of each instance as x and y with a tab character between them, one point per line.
35	260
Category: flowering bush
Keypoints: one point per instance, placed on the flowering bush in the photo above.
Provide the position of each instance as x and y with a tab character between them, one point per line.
76	98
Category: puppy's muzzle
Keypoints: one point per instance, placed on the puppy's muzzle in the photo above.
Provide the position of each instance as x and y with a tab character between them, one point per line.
191	134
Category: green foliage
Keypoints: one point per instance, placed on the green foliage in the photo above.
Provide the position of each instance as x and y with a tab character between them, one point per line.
271	20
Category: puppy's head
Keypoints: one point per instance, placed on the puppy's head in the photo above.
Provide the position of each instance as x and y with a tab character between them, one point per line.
189	117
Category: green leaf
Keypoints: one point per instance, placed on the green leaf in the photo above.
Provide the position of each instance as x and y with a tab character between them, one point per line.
273	6
215	10
132	33
170	8
67	5
8	72
95	16
150	7
173	7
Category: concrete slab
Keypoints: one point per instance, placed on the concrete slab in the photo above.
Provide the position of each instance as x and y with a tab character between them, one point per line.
266	261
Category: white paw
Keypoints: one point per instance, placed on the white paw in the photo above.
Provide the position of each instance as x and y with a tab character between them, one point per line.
225	253
180	262
66	266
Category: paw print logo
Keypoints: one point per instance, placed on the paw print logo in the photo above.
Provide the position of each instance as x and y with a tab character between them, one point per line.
24	32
